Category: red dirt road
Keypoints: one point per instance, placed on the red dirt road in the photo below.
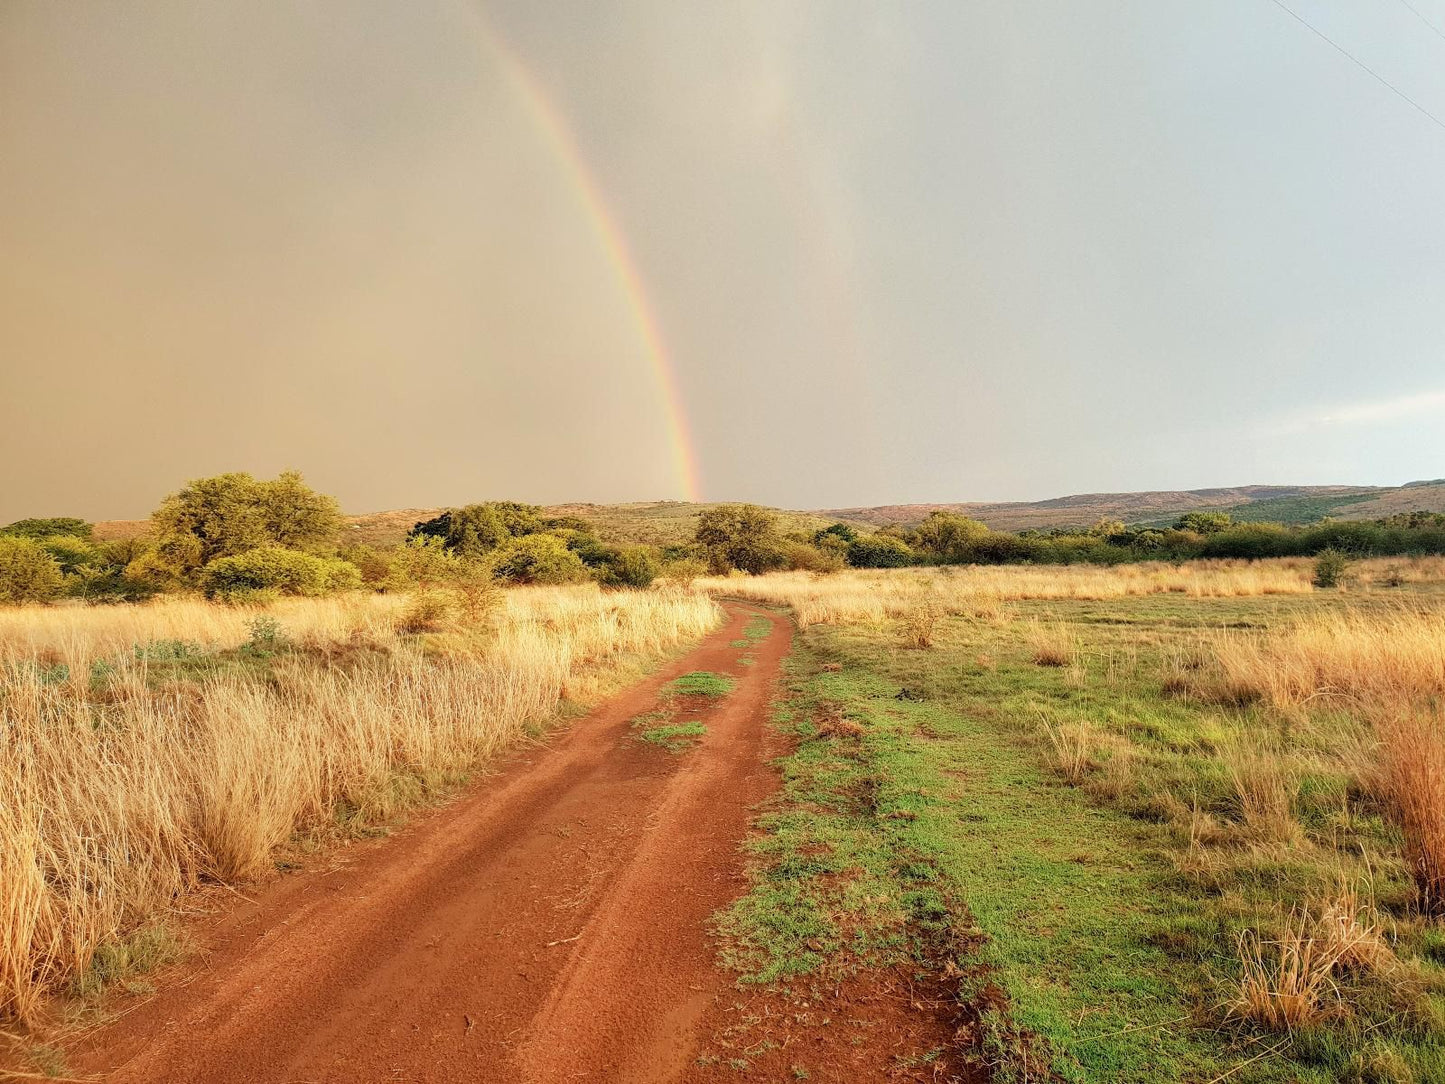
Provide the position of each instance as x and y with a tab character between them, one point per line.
550	927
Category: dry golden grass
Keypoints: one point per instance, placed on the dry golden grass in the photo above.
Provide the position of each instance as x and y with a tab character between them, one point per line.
1283	981
1052	644
126	782
1412	778
1266	790
1391	657
862	595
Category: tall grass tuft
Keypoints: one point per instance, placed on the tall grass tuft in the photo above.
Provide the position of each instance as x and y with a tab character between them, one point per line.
1283	980
1412	776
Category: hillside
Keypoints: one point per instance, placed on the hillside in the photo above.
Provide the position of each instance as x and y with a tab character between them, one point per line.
1287	504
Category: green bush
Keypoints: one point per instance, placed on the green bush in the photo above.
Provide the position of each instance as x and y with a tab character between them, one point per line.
1330	568
1204	522
478	529
879	551
27	572
808	558
627	566
271	568
539	558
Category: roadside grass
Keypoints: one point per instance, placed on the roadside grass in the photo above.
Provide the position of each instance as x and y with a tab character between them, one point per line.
1115	856
699	683
155	748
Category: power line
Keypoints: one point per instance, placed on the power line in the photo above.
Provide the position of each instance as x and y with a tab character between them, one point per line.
1391	87
1416	11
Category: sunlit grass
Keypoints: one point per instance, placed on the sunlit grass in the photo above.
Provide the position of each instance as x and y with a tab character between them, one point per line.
148	747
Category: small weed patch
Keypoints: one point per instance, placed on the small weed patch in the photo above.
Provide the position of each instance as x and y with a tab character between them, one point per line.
674	737
700	683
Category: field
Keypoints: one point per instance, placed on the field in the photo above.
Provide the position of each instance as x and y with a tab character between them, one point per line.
150	748
1147	824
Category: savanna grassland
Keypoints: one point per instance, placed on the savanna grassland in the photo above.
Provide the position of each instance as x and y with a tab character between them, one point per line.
1150	822
151	748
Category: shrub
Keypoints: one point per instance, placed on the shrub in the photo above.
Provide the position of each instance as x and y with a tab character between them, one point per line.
920	623
627	566
478	529
879	551
1204	522
271	568
428	611
806	558
27	572
378	567
1330	568
838	532
684	570
539	558
422	561
474	583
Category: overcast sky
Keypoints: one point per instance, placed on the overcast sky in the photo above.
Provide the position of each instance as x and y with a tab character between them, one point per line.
896	252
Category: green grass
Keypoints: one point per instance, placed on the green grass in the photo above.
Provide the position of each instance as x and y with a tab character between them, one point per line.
754	632
674	737
699	683
904	825
123	961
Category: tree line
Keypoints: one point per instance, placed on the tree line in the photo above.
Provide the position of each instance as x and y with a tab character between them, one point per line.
240	539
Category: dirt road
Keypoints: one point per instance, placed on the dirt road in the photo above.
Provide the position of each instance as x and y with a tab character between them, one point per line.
551	926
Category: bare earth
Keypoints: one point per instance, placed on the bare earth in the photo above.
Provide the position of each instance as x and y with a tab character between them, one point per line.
551	926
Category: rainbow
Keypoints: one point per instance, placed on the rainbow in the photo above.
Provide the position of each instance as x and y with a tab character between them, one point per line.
558	136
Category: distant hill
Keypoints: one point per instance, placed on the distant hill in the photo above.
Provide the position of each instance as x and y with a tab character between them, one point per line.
1281	504
663	523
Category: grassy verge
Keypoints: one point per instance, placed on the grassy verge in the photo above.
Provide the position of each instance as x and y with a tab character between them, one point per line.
1034	793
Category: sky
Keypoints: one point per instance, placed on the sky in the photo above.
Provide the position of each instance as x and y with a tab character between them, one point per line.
811	254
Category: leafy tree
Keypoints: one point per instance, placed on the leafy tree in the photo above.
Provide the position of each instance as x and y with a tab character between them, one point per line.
879	551
539	558
27	572
947	535
49	528
230	514
477	529
741	536
1204	522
